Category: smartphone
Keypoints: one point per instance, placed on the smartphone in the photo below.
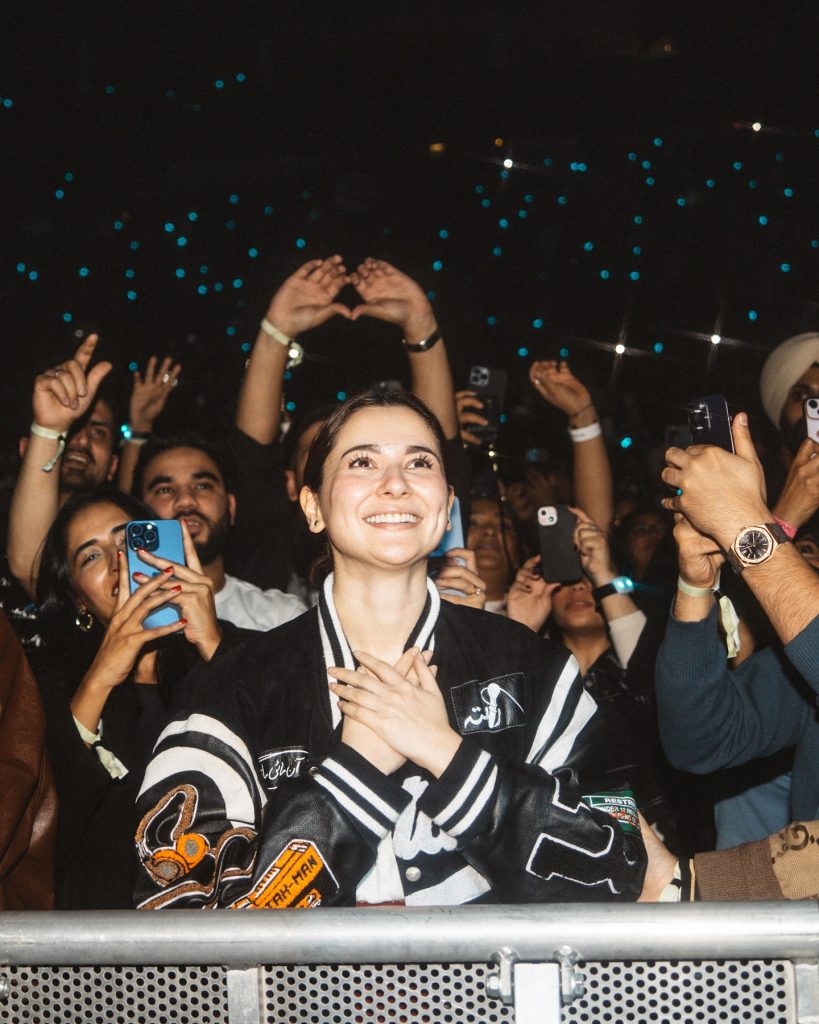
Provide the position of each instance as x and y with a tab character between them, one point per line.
559	558
812	418
709	422
160	537
490	387
453	538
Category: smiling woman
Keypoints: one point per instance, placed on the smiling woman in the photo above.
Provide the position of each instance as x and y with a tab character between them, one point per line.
384	746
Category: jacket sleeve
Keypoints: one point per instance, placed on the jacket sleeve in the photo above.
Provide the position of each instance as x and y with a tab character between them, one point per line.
522	822
711	717
803	653
209	835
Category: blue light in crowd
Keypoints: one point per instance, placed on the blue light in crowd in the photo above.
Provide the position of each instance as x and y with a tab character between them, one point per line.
169	227
737	165
680	201
20	268
241	77
562	200
523	214
443	233
710	183
7	103
253	252
814	243
479	190
131	296
181	241
626	442
635	275
288	374
753	315
486	203
528	197
230	225
133	366
785	267
763	220
268	210
33	275
497	250
202	289
117	225
193	216
134	246
437	265
658	347
230	331
658	142
780	157
537	323
341	395
307	194
646	165
170	94
650	181
491	320
564	353
109	90
503	417
503	223
291	406
218	287
431	295
233	199
588	246
237	282
523	352
504	175
636	250
59	193
632	157
245	346
219	84
203	269
605	275
68	317
751	183
68	177
130	273
787	192
83	271
548	162
300	243
180	272
638	219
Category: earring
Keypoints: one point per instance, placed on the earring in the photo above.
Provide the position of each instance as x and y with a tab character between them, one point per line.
84	620
315	522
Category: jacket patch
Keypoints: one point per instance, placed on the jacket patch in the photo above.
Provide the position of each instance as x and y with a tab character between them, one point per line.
282	765
298	877
489	706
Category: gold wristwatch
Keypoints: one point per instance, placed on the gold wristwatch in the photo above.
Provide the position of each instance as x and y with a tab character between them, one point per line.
755	544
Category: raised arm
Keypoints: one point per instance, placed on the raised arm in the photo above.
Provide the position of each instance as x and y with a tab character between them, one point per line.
62	395
304	301
593	490
149	394
394	297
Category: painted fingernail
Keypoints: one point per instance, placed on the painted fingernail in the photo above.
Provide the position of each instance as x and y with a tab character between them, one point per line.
183	622
168	569
119	554
139	576
177	588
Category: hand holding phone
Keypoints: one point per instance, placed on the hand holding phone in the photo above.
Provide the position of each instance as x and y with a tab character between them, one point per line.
559	558
489	386
812	418
710	423
161	538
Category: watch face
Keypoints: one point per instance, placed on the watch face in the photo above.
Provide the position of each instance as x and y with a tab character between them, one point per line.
753	545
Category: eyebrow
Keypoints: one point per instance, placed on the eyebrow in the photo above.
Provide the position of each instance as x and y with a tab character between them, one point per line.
95	540
202	474
411	449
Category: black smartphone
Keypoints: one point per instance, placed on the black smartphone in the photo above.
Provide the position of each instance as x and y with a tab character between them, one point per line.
559	558
490	386
812	418
709	422
160	537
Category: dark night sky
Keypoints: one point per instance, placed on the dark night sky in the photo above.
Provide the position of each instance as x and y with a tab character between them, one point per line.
324	120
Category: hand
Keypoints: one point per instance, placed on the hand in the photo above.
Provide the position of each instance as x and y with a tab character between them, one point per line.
461	577
719	493
556	383
595	553
64	393
410	718
150	393
392	296
464	401
699	556
305	300
126	636
800	495
530	597
192	592
661	864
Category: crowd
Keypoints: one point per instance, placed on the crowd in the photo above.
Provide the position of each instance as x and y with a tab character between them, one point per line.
330	717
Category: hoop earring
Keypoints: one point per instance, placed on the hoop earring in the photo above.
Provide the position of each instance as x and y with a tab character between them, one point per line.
84	621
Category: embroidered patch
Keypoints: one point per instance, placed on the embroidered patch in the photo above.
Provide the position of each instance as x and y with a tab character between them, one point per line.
279	766
489	706
298	877
621	805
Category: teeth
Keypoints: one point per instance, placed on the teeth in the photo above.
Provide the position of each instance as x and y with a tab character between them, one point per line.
392	517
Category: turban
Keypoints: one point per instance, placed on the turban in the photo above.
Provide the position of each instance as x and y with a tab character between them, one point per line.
783	368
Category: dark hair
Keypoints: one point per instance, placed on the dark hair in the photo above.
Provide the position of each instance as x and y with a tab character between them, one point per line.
55	594
299	425
325	441
158	445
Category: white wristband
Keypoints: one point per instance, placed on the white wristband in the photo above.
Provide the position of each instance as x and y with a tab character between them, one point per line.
585	433
273	332
51	435
692	591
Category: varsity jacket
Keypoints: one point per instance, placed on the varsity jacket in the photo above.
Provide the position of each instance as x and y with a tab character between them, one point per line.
251	800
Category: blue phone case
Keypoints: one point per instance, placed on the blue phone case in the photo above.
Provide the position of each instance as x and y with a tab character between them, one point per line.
453	538
160	537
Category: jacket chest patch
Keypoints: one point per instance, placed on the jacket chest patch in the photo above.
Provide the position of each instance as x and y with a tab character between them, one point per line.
278	766
489	706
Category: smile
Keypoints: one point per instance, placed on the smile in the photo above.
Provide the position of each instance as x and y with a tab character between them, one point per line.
391	518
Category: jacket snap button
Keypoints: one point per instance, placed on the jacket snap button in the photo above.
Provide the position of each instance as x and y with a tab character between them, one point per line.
312	771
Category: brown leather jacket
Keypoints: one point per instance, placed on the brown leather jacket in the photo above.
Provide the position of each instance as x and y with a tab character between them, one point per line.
28	800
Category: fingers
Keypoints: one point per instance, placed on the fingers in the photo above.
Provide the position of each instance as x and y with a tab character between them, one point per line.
373	309
85	351
743	443
123	591
191	554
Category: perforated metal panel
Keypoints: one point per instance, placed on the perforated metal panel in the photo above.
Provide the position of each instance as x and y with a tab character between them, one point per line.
676	992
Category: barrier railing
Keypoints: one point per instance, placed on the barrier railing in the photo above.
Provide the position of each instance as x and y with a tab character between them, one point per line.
459	965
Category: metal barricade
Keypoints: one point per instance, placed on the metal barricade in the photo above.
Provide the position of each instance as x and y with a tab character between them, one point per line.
593	963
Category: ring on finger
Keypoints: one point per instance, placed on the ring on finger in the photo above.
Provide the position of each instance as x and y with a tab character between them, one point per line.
476	591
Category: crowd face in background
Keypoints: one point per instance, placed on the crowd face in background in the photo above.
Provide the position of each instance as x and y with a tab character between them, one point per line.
791	420
185	483
492	537
89	458
575	610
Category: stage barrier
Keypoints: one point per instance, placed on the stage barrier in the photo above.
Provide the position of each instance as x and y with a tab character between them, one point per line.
532	964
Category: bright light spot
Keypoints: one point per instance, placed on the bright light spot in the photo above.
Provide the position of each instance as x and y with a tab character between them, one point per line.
650	181
169	227
787	192
193	216
710	183
438	265
523	352
658	347
233	199
814	243
486	203
59	193
588	246
133	366
443	233
635	275
20	268
253	252
680	201
716	339
83	271
537	323
751	183
785	267
230	331
646	165
237	282
497	250
503	223
180	272
658	142
737	165
638	219
528	197
67	317
605	275
133	246
498	143
564	353
626	442
523	214
291	406
753	315
241	77
129	273
341	395
245	346
508	163
68	177
491	320
202	289
504	174
33	275
619	348
267	211
632	157
636	250
437	147
763	220
300	243
562	200
757	127
203	269
7	103
131	296
219	84
479	190
218	287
